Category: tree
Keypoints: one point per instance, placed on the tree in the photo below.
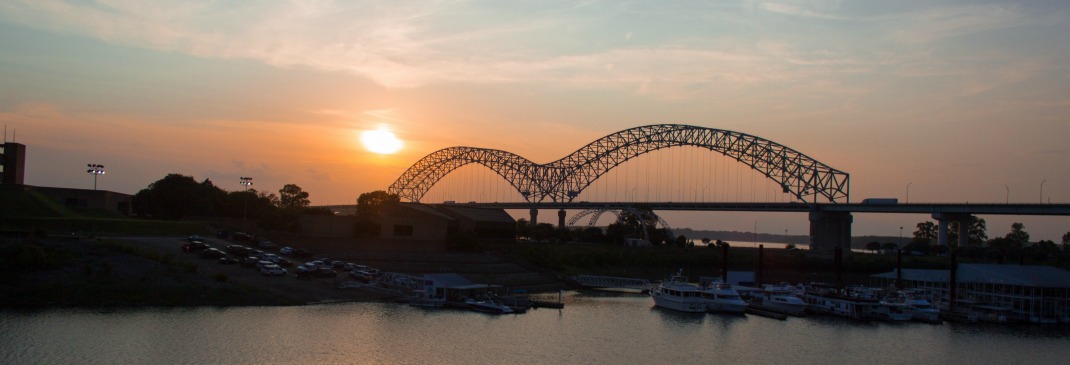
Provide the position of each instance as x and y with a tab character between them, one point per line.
292	197
925	233
370	204
176	196
889	246
1018	235
873	246
1066	242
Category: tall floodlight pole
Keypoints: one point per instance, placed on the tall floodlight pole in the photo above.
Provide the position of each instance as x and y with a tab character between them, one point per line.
900	237
1008	193
1042	191
908	191
95	170
246	182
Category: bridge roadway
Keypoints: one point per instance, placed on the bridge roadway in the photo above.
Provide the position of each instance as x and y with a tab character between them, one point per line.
912	208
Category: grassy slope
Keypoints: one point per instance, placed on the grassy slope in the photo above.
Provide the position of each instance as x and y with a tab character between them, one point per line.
29	211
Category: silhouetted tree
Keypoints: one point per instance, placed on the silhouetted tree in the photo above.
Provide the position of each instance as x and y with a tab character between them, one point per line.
293	197
1018	235
925	233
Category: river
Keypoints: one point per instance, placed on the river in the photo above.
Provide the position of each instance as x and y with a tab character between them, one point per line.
593	328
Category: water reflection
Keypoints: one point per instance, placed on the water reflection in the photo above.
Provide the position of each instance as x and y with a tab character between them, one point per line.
594	327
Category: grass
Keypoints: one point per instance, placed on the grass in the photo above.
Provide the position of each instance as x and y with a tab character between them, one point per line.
28	211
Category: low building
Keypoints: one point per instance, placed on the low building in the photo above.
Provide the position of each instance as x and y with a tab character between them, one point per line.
1038	294
87	199
489	225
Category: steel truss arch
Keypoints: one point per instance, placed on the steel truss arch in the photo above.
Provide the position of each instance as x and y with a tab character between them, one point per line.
642	215
563	180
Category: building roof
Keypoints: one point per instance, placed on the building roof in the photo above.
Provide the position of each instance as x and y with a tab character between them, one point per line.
448	280
422	208
485	215
1023	275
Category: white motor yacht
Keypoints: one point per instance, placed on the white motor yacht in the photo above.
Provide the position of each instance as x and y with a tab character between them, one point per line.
680	295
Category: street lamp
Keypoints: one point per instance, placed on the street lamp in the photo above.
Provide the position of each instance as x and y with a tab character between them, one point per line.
1008	193
900	236
95	170
246	182
908	191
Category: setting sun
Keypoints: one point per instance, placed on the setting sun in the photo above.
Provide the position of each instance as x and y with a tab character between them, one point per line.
381	141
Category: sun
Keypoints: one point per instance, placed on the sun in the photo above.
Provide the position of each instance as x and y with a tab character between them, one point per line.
381	141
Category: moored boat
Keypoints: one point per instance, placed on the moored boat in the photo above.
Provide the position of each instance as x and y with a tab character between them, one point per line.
722	298
680	295
488	305
779	299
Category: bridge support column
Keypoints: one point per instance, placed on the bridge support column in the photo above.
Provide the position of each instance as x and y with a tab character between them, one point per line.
561	218
829	230
964	227
534	217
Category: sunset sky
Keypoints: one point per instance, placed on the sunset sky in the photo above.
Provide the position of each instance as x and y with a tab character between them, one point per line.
962	100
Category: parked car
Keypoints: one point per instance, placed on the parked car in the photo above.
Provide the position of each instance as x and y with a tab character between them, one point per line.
337	264
326	273
194	246
227	260
250	261
261	264
241	236
266	244
237	250
284	262
300	252
272	270
212	253
270	257
194	238
287	250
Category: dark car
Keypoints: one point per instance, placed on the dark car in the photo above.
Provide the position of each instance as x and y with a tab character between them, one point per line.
250	261
221	233
326	273
241	236
284	262
212	253
227	260
194	246
300	252
238	250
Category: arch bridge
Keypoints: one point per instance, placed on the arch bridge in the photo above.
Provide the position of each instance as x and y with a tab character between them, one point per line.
559	182
799	175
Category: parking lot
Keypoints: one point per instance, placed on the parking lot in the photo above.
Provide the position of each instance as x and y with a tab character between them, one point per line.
308	290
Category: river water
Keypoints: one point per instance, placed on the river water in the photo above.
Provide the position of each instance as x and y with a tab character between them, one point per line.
593	328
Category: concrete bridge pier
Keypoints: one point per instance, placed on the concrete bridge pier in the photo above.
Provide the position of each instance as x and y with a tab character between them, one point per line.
561	218
534	216
944	219
829	230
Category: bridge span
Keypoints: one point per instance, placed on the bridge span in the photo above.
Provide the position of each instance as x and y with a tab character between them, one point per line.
830	223
812	186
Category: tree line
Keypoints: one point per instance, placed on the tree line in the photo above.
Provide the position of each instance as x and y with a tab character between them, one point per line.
1016	243
177	196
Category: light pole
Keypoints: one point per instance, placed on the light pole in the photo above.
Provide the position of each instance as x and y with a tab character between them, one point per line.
1008	193
900	237
1042	191
908	191
95	170
246	182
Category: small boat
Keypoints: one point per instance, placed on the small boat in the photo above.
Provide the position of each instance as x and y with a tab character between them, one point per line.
722	298
779	299
680	295
488	305
920	309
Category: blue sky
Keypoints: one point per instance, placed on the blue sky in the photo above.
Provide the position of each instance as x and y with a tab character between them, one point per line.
963	100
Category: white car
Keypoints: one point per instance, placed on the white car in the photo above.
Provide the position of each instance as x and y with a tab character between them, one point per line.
272	270
286	250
